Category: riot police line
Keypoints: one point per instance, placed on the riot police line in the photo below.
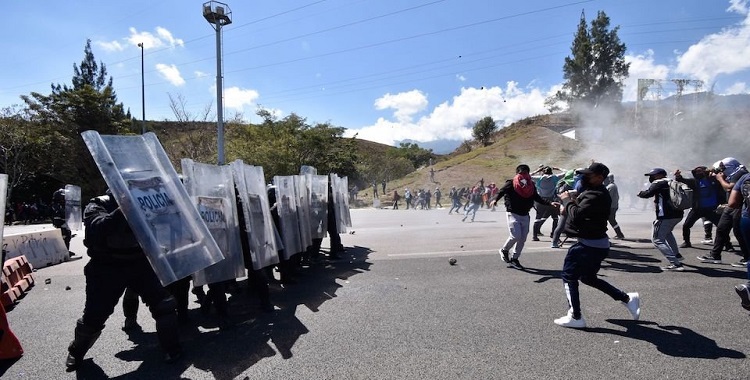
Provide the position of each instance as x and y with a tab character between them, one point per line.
212	225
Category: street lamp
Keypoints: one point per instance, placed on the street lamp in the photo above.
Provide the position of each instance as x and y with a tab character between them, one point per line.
218	14
143	94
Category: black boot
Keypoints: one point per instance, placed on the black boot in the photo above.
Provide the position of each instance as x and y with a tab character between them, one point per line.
84	338
167	329
130	303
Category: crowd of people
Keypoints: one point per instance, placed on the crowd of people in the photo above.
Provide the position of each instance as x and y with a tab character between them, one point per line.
583	202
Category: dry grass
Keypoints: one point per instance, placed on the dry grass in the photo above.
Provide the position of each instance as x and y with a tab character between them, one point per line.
526	142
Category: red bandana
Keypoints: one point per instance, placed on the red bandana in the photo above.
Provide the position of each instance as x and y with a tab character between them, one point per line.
523	185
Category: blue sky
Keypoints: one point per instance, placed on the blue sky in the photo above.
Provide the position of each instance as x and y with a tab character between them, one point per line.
387	70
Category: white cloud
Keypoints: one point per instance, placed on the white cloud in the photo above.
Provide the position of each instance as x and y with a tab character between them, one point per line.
461	77
170	73
162	38
725	52
200	74
405	104
738	6
736	88
166	35
237	98
453	120
110	46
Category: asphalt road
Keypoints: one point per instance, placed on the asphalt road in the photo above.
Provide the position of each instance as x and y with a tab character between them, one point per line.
396	309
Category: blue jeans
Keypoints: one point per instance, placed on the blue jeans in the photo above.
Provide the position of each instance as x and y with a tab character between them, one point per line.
473	210
664	239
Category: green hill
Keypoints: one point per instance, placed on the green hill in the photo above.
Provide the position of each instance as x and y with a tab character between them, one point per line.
530	141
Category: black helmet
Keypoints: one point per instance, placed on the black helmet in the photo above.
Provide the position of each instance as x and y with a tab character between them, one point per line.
59	195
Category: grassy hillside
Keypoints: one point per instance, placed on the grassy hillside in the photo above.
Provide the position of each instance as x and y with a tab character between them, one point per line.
528	141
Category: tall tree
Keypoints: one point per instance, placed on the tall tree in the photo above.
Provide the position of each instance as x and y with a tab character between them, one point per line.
596	68
25	149
281	146
483	130
90	104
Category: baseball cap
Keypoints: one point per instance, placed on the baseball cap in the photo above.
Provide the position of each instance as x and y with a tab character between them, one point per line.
596	168
656	171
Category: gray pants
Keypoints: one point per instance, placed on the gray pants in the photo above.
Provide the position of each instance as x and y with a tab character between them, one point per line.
664	240
518	225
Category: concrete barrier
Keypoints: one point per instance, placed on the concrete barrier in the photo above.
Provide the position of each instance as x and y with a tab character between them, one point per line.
41	248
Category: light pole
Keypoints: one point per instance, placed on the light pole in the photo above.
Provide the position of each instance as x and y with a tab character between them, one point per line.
143	94
218	14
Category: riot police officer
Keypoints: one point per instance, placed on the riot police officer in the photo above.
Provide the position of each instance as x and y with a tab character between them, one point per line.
58	216
118	262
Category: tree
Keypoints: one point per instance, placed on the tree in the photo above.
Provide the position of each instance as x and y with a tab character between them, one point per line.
90	104
596	69
190	135
483	130
282	146
412	152
25	148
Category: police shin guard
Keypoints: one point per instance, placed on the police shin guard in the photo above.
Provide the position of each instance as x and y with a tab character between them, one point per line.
84	338
167	330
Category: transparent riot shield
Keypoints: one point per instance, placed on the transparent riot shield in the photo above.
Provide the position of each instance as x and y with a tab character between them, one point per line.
3	195
259	229
286	206
73	211
211	188
307	170
157	207
340	187
318	205
302	189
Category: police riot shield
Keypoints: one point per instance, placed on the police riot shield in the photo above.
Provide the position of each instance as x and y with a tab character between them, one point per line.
3	194
259	229
157	207
318	205
302	189
307	170
73	212
286	206
340	187
211	188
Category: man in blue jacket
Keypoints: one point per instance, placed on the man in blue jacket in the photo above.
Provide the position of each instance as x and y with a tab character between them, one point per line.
586	219
667	217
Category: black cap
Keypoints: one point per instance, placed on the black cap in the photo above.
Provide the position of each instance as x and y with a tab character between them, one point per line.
656	171
596	168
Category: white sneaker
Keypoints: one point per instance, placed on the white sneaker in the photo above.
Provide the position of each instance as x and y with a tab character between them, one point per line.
634	306
707	241
568	321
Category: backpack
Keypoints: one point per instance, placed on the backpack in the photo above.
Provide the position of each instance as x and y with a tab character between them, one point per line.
746	192
680	195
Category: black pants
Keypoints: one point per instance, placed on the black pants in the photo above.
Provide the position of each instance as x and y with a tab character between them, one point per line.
693	216
728	221
106	282
583	263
